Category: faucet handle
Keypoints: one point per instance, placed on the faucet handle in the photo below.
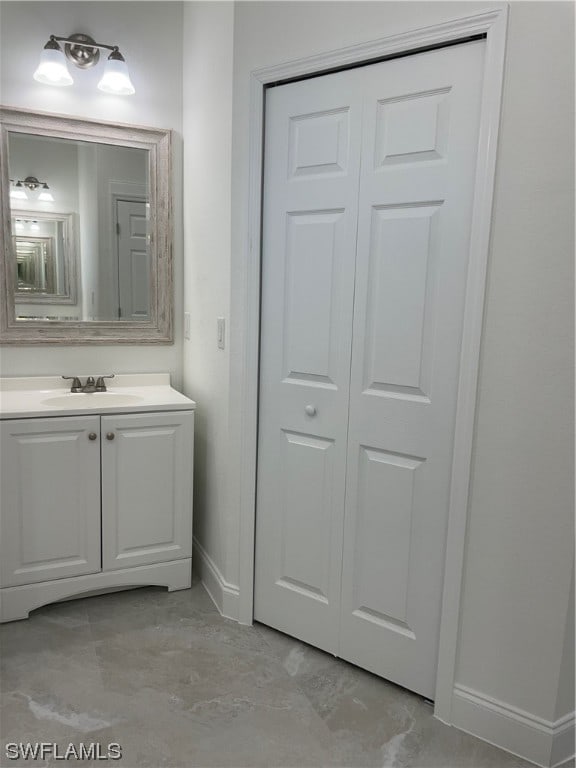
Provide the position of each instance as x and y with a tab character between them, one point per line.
76	383
100	384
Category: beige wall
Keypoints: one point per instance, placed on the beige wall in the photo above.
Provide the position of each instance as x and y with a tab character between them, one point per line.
153	51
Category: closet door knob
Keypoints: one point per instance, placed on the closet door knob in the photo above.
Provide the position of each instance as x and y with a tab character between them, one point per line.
310	410
109	435
92	436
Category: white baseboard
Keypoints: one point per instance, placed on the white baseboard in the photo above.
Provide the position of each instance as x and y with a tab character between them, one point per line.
544	742
226	596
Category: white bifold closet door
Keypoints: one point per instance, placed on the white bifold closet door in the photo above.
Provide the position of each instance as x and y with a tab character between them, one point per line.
368	195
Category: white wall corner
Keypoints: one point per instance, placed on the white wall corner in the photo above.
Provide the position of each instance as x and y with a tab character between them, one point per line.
546	743
226	596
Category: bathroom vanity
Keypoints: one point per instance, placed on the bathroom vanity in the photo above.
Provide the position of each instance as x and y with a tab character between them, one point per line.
96	489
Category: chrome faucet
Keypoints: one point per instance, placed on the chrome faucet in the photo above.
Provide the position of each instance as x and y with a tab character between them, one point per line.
91	386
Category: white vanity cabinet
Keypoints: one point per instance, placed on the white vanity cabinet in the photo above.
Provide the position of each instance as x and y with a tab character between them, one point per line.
90	502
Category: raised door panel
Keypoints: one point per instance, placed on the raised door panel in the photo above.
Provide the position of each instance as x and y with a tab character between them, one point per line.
311	171
312	260
49	499
384	506
305	560
147	466
402	257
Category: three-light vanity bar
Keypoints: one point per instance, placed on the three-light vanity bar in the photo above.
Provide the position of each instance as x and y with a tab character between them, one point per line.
83	52
18	191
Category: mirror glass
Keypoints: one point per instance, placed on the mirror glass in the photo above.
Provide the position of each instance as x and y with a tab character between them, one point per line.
80	229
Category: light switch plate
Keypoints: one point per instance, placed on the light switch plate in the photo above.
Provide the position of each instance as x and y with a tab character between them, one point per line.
221	327
186	325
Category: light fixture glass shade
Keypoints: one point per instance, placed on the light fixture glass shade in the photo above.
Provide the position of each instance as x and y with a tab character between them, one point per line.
34	226
18	192
116	78
52	69
45	195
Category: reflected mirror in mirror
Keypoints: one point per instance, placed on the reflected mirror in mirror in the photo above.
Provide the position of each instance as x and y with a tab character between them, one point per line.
80	224
45	252
36	272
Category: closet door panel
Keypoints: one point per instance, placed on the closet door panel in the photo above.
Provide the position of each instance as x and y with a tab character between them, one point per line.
420	134
312	155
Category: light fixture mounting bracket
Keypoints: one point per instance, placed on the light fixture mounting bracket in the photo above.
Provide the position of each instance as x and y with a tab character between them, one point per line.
32	183
82	50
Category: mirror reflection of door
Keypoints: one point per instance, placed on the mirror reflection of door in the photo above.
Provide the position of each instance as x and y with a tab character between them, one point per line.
133	260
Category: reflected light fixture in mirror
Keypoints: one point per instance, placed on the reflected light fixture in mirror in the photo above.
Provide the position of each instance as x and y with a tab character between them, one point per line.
18	191
23	224
83	52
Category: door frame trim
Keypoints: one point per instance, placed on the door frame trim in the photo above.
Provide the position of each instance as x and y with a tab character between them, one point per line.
493	24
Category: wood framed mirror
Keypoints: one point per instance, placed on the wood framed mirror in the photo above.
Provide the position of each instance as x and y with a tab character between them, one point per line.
86	236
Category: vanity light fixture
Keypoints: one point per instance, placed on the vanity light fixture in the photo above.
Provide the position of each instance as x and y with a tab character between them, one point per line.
18	192
83	52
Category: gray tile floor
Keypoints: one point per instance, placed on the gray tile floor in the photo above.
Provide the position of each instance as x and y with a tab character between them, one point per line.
175	684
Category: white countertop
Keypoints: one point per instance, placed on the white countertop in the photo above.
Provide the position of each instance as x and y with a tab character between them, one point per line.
39	396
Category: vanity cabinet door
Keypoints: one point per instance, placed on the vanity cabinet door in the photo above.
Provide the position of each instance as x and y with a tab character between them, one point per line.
49	499
146	488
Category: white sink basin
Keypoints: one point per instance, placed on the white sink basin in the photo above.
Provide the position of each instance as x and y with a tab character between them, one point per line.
92	400
38	396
